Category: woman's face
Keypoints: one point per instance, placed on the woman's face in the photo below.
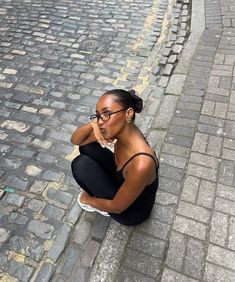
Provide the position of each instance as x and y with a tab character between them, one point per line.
112	127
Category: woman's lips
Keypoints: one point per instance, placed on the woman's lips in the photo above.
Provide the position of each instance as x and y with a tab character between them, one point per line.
102	130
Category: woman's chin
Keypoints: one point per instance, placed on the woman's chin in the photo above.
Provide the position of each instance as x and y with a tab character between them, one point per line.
108	136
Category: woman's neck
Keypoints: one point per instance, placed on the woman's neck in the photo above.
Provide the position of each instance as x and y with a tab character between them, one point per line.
125	138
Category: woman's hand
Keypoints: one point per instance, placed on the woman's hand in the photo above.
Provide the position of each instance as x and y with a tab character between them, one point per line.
100	138
98	135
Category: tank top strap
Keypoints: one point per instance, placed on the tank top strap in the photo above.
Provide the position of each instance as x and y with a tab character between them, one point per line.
140	153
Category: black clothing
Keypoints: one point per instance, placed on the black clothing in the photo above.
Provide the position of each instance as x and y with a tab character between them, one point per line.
96	172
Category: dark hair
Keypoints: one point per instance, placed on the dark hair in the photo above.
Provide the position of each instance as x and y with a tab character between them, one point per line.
128	99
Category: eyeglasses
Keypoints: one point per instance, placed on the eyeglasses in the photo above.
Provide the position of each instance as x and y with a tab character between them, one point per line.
103	116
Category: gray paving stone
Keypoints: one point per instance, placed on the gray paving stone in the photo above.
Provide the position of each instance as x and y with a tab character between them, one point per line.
219	228
81	232
24	116
221	257
226	192
185	113
40	229
73	214
155	228
11	163
126	274
3	261
215	273
175	84
46	158
194	259
231	243
59	243
37	130
184	122
100	227
92	249
16	182
18	218
29	248
193	211
15	199
176	251
206	194
170	185
70	258
165	198
38	186
163	213
190	227
202	172
171	275
166	110
179	140
182	130
52	176
45	273
171	172
176	150
225	206
204	160
23	153
21	271
61	196
173	160
147	244
142	263
35	205
226	172
156	139
53	212
79	274
21	97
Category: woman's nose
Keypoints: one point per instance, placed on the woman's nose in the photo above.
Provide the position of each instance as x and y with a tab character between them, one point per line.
100	121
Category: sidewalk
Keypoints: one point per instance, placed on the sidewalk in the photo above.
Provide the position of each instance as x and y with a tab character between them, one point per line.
191	233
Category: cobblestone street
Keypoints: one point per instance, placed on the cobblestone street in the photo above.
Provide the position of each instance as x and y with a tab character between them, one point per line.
56	59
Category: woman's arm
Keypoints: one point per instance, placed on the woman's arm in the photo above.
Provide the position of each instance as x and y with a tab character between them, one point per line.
83	135
87	134
140	173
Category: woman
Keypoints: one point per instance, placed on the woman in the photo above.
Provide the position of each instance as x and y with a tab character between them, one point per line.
122	184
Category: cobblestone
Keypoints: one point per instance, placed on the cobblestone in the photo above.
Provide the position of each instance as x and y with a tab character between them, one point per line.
15	199
59	243
20	271
40	229
45	272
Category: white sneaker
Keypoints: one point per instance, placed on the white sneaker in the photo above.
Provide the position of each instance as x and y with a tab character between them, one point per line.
90	208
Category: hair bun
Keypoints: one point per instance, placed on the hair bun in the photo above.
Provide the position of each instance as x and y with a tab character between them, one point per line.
137	101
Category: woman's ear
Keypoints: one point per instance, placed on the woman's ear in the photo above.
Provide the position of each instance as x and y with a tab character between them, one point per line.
129	114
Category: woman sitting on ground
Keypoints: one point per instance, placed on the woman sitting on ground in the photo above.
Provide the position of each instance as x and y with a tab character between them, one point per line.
122	184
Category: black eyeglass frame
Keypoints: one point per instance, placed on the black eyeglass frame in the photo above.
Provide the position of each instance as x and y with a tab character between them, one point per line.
96	117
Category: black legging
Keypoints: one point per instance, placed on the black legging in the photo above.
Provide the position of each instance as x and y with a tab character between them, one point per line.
95	172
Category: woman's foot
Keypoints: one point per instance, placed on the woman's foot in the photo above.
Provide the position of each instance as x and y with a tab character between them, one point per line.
88	207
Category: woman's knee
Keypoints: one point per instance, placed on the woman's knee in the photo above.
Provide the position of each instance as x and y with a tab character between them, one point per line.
89	149
78	163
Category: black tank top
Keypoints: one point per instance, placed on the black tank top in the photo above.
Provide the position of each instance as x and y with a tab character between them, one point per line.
131	158
145	201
